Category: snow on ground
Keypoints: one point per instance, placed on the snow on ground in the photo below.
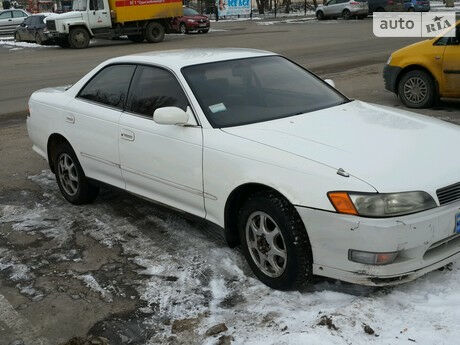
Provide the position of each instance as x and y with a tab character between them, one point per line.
11	44
189	273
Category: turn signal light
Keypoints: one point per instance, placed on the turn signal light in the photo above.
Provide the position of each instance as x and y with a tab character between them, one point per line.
342	202
371	258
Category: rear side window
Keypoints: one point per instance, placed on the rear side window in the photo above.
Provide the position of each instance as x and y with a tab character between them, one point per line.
5	15
154	88
109	86
28	20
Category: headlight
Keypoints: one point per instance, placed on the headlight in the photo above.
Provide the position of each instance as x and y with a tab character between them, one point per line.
191	20
381	205
389	60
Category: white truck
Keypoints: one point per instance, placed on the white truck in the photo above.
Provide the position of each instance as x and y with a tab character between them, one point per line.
138	19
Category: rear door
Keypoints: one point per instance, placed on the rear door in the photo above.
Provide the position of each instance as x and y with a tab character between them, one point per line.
451	66
92	122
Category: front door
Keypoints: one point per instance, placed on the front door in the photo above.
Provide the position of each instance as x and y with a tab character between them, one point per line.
99	14
161	162
92	123
451	66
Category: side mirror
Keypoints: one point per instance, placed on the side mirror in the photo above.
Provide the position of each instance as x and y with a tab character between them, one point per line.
170	116
330	82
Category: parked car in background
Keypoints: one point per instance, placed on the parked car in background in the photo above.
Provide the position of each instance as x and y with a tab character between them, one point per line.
417	5
298	174
343	8
386	6
33	29
423	72
190	21
10	19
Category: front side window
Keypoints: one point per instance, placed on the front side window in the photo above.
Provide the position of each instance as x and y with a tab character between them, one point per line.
154	88
237	92
19	14
95	5
28	21
79	5
109	86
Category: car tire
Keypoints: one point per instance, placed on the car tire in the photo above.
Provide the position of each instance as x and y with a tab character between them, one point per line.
136	38
154	32
79	38
205	31
291	240
417	89
346	14
38	39
183	28
71	179
320	15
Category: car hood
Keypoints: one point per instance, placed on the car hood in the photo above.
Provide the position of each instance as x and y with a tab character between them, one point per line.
390	149
66	15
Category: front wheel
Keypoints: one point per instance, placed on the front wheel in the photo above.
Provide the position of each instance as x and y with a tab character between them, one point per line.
79	38
38	39
154	32
320	15
70	177
417	89
183	29
275	242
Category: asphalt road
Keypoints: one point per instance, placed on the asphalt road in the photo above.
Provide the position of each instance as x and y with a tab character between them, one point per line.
51	253
329	46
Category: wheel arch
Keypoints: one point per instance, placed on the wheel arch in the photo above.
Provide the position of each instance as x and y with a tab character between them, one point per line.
54	140
232	207
414	67
82	26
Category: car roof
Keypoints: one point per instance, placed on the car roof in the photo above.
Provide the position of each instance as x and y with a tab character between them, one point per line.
176	59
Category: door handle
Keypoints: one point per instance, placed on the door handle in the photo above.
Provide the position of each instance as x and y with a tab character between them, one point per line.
70	119
127	135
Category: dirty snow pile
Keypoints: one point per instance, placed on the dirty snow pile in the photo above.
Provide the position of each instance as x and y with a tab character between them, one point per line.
187	277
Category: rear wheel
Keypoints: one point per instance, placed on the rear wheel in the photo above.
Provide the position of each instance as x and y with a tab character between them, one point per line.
275	242
136	38
346	14
417	89
205	31
154	32
79	38
70	177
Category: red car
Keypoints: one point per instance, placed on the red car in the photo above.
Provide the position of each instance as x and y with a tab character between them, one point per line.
190	21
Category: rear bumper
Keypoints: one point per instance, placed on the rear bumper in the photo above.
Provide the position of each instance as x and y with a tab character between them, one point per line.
390	76
359	11
424	241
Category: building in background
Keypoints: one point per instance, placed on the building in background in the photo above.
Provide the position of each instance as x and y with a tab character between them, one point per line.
36	6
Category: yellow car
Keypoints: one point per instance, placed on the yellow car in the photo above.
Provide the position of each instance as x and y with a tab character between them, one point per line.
426	71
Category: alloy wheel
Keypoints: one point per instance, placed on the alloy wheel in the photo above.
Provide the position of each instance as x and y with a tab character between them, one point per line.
266	244
415	90
68	174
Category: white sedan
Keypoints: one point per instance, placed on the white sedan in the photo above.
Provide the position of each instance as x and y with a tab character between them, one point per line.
308	181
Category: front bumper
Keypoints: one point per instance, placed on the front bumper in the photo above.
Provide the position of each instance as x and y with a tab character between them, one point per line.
195	26
424	241
390	76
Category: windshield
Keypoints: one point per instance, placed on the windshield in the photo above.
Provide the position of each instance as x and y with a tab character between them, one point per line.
238	92
79	5
190	12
